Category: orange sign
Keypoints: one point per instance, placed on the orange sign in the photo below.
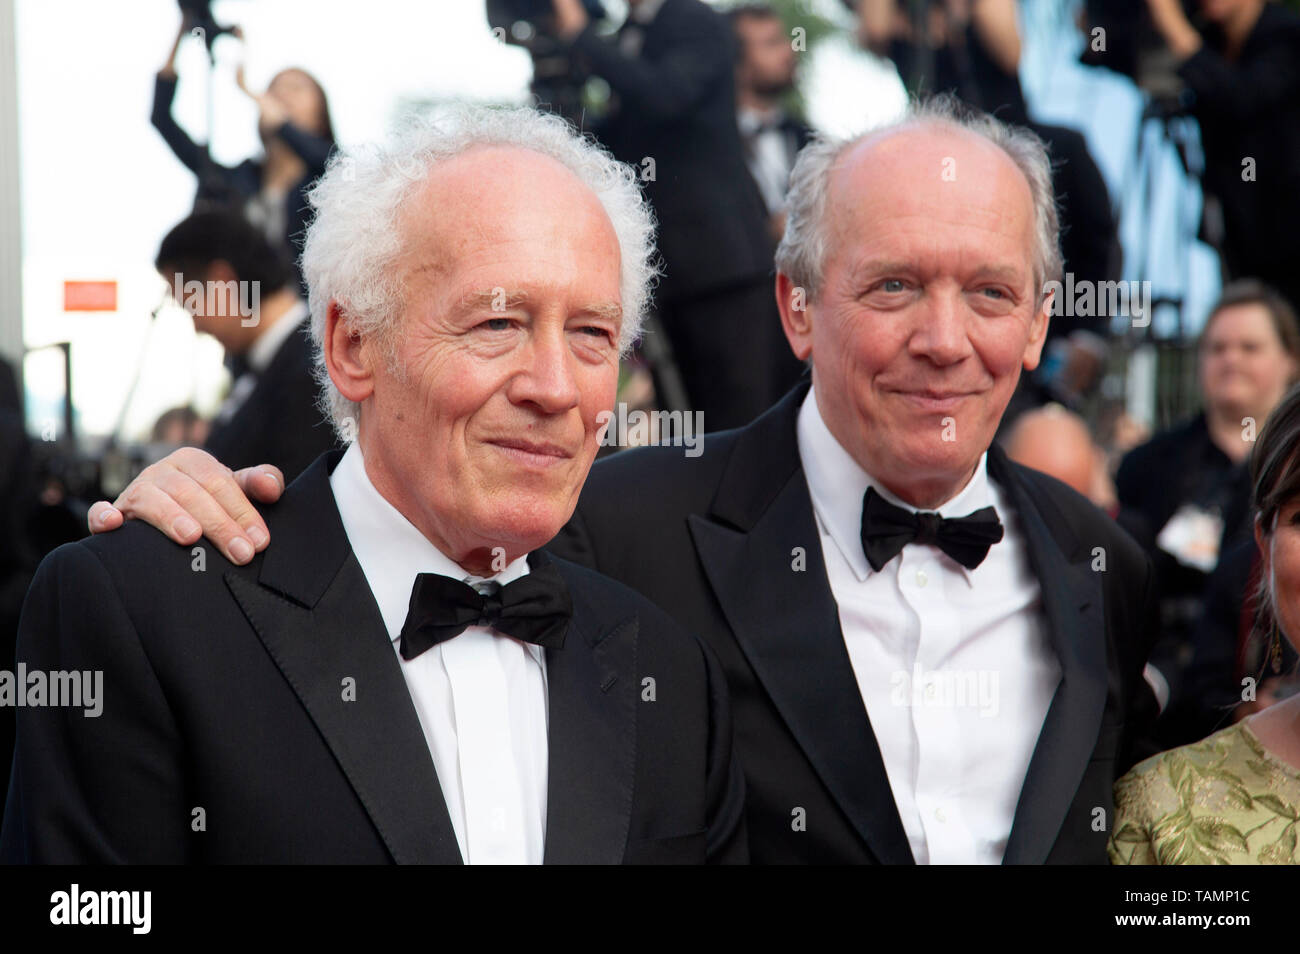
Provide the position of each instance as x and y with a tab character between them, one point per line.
90	296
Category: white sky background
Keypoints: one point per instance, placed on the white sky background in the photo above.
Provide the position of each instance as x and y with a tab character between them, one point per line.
100	187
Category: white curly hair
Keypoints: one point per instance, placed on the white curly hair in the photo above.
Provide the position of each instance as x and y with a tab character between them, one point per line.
354	238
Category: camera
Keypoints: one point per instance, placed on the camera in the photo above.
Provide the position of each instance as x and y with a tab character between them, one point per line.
557	80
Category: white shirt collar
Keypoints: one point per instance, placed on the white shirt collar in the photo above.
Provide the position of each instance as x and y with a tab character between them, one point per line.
837	484
389	548
749	120
645	11
262	351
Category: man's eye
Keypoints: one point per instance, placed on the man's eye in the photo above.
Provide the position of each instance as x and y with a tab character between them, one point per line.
997	294
893	285
496	324
595	332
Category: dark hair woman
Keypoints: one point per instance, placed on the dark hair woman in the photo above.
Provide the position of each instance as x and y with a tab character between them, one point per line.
1234	798
297	136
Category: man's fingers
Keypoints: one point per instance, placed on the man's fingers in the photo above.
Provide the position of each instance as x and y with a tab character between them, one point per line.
217	482
263	483
184	509
103	516
145	500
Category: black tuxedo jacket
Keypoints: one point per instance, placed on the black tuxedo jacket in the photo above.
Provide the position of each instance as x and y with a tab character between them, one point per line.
279	423
677	105
224	691
715	545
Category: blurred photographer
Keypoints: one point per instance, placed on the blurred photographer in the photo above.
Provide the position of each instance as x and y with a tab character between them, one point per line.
969	47
674	120
1244	73
298	137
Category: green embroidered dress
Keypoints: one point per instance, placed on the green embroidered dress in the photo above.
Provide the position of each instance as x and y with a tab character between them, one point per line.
1225	800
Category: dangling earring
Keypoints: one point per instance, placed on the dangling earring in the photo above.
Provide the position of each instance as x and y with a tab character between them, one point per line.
1277	649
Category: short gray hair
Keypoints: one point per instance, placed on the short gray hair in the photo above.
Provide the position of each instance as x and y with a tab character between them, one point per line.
801	256
353	239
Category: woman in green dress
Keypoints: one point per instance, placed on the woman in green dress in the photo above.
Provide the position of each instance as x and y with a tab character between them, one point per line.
1234	797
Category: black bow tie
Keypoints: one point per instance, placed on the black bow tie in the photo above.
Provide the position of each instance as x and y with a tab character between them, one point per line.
886	529
535	608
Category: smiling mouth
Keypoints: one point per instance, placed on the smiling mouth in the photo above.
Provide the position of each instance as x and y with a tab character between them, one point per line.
532	453
937	400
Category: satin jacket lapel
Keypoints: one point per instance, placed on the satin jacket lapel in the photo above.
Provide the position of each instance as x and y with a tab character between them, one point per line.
315	614
1073	604
787	623
592	693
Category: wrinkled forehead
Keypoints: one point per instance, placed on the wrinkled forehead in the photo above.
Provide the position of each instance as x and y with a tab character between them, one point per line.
947	186
501	201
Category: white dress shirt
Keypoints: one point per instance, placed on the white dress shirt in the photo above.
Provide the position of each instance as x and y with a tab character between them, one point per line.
954	665
480	697
263	351
767	155
632	35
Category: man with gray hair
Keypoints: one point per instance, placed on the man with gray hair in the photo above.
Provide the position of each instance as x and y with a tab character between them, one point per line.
934	654
406	676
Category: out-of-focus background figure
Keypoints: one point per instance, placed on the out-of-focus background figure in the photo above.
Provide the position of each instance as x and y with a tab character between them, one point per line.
1243	88
296	133
1185	494
766	68
271	414
1058	442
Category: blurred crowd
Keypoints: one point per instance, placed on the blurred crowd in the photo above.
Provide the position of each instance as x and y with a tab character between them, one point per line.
703	101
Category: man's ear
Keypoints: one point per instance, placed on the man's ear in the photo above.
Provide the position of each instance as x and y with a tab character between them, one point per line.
792	302
348	357
1038	332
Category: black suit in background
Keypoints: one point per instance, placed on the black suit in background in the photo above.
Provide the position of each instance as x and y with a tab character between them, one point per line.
676	105
19	547
1178	467
793	134
224	691
1250	108
714	546
1090	248
279	422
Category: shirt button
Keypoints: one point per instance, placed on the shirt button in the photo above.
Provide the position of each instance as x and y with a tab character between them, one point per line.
940	815
921	578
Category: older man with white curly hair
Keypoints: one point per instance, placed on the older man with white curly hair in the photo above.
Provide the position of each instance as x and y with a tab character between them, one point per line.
405	676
